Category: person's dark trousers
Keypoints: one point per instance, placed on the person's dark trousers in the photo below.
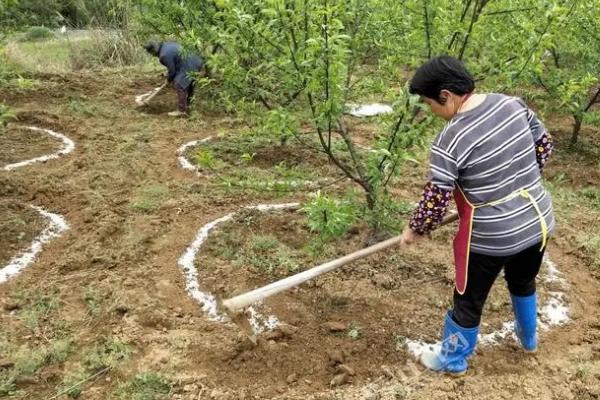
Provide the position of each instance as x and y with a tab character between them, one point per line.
520	271
184	96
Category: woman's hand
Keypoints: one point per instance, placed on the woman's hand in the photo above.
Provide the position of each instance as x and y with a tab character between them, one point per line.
409	236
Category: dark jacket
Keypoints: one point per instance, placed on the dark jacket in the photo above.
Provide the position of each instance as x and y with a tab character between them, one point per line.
178	66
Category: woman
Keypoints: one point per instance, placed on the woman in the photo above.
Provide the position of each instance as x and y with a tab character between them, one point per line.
181	70
488	158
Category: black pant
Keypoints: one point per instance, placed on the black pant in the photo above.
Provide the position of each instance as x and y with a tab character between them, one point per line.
184	96
520	271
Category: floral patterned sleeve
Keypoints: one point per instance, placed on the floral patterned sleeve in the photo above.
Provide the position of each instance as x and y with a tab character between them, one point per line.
543	149
431	209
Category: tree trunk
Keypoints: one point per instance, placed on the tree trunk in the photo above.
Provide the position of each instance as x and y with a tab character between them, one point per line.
371	199
576	129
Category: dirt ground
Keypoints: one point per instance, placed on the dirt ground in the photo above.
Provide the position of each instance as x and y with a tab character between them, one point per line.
22	144
19	225
133	212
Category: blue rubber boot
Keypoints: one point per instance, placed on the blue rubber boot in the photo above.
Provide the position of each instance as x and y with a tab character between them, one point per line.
525	309
457	345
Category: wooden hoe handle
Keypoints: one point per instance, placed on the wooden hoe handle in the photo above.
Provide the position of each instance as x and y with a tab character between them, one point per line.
245	299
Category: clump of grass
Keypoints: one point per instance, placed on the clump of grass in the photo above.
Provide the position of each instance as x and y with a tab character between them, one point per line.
106	355
267	254
7	114
28	361
354	332
593	195
79	106
37	307
107	49
399	341
144	386
93	301
102	358
72	384
591	245
36	34
205	159
150	198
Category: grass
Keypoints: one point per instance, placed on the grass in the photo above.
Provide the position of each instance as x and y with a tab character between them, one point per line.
593	195
6	115
28	361
79	106
103	357
48	54
107	354
150	198
144	386
267	254
41	56
72	382
241	164
399	341
591	245
93	301
36	33
37	307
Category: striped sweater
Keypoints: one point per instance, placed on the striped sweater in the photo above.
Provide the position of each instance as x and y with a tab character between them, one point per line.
490	152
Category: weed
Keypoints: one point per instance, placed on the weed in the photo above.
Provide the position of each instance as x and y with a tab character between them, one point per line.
559	178
399	341
267	254
80	107
106	49
72	382
205	159
593	194
93	301
28	361
584	370
354	332
40	306
40	56
264	242
247	158
591	245
6	115
144	386
25	84
37	33
106	355
150	198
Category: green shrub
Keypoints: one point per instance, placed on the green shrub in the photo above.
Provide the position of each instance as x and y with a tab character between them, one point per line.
37	33
329	217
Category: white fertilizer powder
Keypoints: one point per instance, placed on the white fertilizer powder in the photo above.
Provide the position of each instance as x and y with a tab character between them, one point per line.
57	225
368	110
553	313
68	146
207	300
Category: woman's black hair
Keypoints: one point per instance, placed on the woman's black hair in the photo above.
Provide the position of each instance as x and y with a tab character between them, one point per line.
152	47
439	73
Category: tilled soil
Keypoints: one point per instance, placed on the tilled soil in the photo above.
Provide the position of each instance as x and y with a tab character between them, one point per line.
133	212
19	143
19	225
